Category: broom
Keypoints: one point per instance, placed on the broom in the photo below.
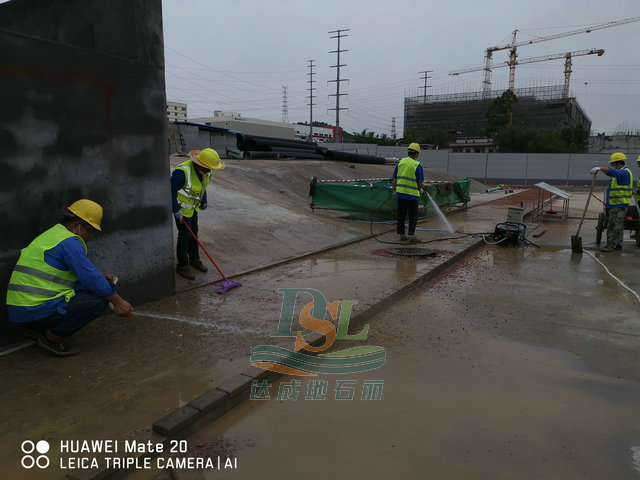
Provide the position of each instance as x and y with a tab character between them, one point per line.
228	284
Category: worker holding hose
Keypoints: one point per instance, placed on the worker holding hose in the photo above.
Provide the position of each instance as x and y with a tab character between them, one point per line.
54	289
189	182
408	178
618	196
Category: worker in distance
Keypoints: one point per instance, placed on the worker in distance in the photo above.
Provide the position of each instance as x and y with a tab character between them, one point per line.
618	198
54	289
408	179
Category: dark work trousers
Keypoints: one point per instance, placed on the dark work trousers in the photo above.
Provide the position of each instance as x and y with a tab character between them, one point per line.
411	207
187	248
81	309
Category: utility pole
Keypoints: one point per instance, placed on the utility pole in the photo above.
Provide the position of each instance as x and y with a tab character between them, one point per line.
338	35
285	108
426	76
311	96
393	127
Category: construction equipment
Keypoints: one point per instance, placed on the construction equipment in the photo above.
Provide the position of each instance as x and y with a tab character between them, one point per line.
555	56
228	284
486	83
576	240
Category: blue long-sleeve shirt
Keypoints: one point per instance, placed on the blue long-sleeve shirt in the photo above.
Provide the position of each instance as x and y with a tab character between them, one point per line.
67	255
623	178
419	178
178	178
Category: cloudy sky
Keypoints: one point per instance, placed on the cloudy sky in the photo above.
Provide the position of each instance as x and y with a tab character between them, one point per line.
236	55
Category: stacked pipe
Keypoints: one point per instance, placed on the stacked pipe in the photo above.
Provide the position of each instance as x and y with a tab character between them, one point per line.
255	146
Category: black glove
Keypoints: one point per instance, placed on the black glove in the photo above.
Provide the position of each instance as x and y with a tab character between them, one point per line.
203	206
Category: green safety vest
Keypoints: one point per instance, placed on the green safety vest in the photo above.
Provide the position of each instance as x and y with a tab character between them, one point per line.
406	181
620	194
33	281
190	196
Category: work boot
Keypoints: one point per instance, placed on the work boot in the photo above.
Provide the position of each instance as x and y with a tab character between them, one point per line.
33	334
186	272
59	349
412	239
403	238
198	265
608	248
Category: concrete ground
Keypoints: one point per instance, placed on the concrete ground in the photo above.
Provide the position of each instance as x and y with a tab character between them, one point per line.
517	364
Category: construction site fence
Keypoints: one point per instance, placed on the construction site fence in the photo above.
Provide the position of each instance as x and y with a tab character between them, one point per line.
507	168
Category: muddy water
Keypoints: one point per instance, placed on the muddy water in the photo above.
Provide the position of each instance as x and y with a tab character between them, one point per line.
520	363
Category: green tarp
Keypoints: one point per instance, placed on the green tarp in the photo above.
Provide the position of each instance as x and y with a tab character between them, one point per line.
371	200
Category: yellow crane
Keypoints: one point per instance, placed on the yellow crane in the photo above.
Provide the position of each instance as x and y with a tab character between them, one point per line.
486	84
555	56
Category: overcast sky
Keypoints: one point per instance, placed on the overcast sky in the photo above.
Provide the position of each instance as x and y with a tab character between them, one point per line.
235	55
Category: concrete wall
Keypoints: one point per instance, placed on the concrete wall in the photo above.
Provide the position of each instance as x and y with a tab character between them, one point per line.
84	116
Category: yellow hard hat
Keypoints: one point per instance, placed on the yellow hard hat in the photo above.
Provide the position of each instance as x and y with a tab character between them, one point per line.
414	146
88	211
207	158
617	157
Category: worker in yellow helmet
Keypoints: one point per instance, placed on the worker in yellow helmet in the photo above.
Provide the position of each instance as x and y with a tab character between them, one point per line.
618	196
54	289
189	183
408	178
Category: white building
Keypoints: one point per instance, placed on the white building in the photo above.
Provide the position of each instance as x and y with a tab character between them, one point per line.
618	142
249	126
176	112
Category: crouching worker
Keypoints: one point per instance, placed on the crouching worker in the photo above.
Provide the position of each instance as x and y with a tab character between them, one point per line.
54	289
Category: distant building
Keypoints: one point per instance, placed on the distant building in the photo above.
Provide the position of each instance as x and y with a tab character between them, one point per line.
625	143
176	112
471	145
250	126
320	134
465	114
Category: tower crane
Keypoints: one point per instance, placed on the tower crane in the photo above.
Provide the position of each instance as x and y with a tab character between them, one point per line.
486	84
567	65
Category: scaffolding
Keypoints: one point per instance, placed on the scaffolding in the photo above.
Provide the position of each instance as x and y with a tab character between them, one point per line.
465	113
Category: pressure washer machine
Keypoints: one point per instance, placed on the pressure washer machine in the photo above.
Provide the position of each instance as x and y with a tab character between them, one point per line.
510	233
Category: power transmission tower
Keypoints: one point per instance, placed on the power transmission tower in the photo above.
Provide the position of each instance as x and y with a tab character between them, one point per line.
311	96
425	78
285	108
393	127
338	80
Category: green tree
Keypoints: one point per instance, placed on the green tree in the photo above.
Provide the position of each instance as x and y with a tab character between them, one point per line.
410	135
499	113
436	137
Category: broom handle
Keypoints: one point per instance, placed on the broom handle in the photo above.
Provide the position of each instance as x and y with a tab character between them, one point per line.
586	205
204	250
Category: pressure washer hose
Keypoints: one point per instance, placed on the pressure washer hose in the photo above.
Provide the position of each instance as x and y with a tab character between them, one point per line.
614	277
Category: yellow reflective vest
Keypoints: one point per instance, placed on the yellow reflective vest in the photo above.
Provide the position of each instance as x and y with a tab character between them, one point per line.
34	282
620	194
191	193
406	181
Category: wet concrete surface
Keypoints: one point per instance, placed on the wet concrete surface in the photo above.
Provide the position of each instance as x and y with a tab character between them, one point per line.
517	363
133	371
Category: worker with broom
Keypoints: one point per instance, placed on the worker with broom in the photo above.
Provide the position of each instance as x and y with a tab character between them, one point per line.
54	289
618	199
189	182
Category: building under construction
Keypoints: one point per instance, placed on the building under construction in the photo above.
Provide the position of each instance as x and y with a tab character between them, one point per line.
465	114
